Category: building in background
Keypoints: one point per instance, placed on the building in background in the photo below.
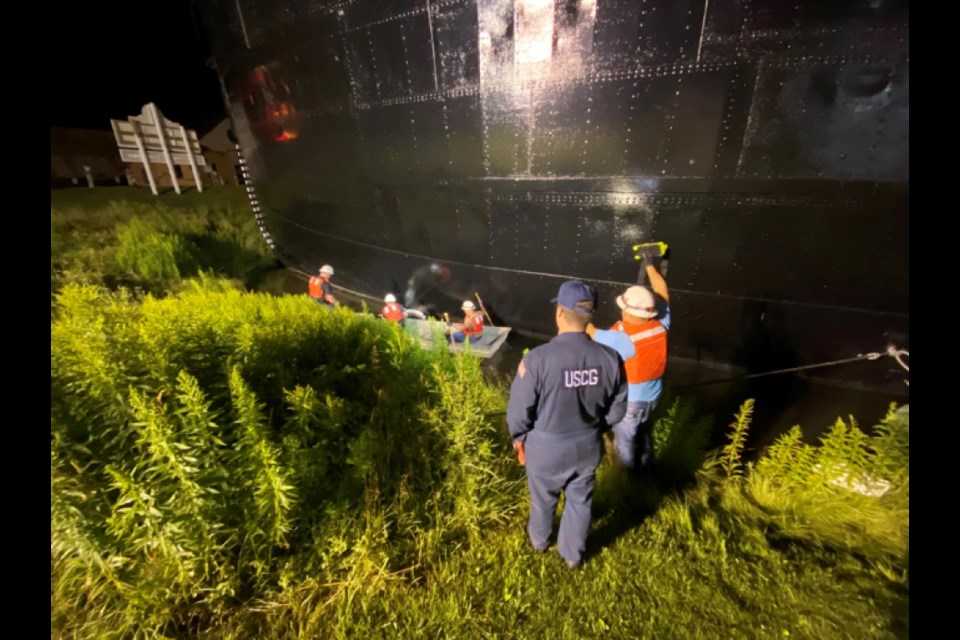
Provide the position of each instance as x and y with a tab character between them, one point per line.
73	149
220	152
161	153
80	157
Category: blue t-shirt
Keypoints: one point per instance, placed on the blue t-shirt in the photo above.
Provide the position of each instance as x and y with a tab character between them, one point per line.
621	343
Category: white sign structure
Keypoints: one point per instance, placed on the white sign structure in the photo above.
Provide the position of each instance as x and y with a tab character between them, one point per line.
151	138
157	157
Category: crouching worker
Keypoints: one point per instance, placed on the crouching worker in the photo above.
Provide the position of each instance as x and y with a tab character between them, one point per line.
320	288
392	310
472	326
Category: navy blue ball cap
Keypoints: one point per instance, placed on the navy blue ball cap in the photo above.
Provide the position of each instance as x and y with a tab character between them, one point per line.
577	296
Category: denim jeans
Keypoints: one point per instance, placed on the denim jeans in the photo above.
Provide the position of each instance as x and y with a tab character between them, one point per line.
632	436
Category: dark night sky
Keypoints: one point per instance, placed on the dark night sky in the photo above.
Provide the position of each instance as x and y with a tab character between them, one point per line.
121	55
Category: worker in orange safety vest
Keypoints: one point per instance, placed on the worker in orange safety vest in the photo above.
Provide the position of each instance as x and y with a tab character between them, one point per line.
640	337
392	310
320	288
472	326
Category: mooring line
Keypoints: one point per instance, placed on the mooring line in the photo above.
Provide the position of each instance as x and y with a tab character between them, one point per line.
891	351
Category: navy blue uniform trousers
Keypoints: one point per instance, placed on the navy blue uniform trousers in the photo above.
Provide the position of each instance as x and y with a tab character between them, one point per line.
555	465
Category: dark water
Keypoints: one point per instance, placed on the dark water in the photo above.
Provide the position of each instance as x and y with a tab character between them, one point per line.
782	400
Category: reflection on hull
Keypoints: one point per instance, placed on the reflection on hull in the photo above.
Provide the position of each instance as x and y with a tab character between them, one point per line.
517	143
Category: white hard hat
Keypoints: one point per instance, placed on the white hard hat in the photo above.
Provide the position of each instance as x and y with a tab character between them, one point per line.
326	269
390	298
468	306
638	301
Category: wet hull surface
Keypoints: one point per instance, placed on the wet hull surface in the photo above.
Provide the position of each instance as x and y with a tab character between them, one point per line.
435	149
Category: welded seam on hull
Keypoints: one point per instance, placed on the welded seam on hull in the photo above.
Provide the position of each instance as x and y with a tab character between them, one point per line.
663	151
661	71
422	97
330	8
590	198
293	17
703	29
543	274
348	56
786	35
748	130
404	15
619	190
527	84
383	21
243	25
433	49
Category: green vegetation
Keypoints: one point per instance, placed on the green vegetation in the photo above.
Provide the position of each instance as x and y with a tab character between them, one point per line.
213	445
126	237
228	464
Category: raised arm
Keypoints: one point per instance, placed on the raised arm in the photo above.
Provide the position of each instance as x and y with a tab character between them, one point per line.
657	282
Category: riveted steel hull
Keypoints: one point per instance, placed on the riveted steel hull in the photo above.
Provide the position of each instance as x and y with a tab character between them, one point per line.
518	143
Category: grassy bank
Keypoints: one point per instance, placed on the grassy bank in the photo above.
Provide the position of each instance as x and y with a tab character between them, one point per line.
124	236
236	465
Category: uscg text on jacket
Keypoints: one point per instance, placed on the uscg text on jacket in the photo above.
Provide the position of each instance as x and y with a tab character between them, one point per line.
573	378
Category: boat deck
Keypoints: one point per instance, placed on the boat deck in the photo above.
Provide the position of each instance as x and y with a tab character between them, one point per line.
427	331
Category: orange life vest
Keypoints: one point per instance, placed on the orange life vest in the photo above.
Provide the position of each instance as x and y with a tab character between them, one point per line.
315	290
473	326
392	311
649	360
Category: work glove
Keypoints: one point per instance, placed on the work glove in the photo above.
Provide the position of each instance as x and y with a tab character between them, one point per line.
521	457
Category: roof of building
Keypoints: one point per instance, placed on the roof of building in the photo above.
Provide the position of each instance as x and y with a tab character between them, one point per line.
218	138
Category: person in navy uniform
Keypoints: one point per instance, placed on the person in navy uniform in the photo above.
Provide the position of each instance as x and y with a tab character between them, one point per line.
565	395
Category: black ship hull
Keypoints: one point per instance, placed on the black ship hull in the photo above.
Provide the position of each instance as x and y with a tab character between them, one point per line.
441	148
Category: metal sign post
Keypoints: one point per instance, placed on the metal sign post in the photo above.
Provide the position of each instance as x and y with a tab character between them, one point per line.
135	125
190	157
161	135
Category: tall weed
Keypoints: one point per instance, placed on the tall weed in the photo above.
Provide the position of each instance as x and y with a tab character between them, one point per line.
230	440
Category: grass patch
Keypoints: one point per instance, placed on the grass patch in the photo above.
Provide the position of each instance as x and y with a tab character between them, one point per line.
91	200
125	237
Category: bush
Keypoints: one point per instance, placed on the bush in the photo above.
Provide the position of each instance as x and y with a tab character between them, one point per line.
850	493
152	244
213	446
152	255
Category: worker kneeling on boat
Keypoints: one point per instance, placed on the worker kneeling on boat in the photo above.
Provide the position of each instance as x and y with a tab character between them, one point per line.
392	310
472	326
